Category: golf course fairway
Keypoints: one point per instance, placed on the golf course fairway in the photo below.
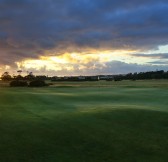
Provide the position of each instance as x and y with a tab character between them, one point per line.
106	122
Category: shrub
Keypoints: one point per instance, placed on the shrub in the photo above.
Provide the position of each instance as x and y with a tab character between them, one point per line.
117	79
17	83
37	83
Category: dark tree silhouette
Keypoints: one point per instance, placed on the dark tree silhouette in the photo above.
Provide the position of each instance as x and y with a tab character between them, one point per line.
6	76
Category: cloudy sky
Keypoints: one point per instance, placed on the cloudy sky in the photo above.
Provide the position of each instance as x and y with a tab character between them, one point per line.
83	37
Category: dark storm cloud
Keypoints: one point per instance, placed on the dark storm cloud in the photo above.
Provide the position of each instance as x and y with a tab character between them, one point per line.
30	26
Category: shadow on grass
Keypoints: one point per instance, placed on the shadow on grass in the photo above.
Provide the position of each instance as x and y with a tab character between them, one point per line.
64	86
117	135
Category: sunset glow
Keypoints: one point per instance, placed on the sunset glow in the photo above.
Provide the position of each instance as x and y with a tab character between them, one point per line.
83	37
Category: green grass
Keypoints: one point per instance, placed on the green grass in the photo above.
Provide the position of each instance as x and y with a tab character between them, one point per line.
85	122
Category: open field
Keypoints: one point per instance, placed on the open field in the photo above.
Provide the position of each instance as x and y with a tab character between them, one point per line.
103	121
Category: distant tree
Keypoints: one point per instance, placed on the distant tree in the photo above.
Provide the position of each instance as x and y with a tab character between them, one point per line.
37	83
19	77
118	78
17	83
6	76
41	77
29	76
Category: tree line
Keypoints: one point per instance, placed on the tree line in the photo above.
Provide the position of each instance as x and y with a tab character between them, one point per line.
161	74
29	80
158	74
29	77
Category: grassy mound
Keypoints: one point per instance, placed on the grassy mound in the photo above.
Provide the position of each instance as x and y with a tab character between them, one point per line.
84	124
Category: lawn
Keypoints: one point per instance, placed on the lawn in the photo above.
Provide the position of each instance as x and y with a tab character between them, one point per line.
123	121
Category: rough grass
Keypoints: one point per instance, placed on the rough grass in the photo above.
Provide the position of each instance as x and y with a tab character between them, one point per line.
105	122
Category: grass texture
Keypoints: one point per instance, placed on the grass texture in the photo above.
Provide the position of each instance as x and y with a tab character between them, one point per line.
89	122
